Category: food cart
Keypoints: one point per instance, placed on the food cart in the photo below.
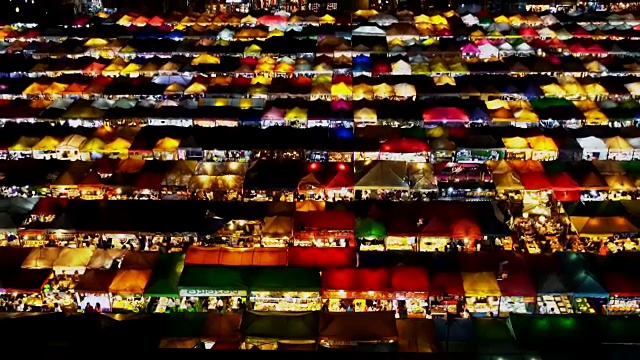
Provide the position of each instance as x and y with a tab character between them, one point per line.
446	293
411	290
357	289
482	293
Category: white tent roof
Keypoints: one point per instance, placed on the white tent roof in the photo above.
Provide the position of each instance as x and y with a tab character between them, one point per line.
369	30
591	142
41	258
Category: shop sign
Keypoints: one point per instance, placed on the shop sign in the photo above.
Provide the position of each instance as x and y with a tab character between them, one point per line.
211	293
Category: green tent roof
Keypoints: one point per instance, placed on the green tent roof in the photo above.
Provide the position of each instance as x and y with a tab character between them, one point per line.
280	325
584	284
165	276
544	103
493	336
185	325
369	228
285	279
548	329
214	278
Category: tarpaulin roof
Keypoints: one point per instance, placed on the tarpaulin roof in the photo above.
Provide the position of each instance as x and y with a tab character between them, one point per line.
130	282
140	260
356	279
480	284
446	283
95	281
324	220
285	279
409	279
41	258
358	326
236	256
165	276
621	284
464	228
517	284
322	257
214	278
280	325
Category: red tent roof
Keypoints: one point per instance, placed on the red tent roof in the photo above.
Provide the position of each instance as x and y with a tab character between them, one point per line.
49	206
324	220
445	114
356	279
437	226
342	179
465	229
329	257
517	284
405	145
410	279
621	284
564	187
528	32
580	32
446	283
535	181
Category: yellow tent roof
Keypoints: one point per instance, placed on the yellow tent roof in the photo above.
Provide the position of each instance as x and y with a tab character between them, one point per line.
93	145
542	142
617	143
55	88
341	89
365	114
131	69
480	284
422	18
253	49
167	144
96	42
507	181
35	89
125	20
366	13
439	20
516	143
526	116
24	143
174	88
118	144
501	19
195	88
619	182
205	59
47	143
327	19
296	114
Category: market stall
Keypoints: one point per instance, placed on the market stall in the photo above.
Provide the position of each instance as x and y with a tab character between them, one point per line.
23	290
446	293
518	293
347	330
554	298
370	235
624	293
128	290
285	289
207	288
279	331
612	231
277	231
162	290
411	291
93	289
357	289
435	235
482	293
324	229
41	258
589	297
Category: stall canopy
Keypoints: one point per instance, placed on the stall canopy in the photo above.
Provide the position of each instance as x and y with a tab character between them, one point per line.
446	283
95	281
324	220
370	229
358	326
517	284
409	279
104	259
356	280
416	335
621	284
236	256
322	257
26	280
72	260
41	258
130	282
584	284
165	276
285	279
481	284
280	325
202	279
12	258
140	260
602	225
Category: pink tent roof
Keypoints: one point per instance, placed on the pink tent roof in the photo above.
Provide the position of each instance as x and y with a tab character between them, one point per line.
445	114
273	114
470	49
272	20
580	32
341	105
